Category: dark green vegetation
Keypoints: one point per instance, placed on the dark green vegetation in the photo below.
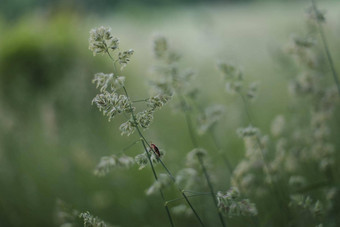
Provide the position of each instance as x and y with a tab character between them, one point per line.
51	138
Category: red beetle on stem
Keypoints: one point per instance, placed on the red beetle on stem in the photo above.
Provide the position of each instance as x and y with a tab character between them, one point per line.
155	150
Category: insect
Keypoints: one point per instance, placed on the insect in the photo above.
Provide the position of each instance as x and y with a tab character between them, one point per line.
155	150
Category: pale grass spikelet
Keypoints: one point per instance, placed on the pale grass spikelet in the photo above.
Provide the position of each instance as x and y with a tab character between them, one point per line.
170	78
160	46
65	215
163	181
252	90
191	159
303	41
305	202
144	118
233	87
107	163
301	48
124	58
187	178
92	221
232	75
112	104
231	204
101	40
229	70
103	81
315	15
127	128
182	209
297	181
278	125
210	116
142	159
249	131
158	101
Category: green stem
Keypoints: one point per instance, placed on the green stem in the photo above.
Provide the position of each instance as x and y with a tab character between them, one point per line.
273	187
129	146
172	177
313	186
189	196
216	143
160	190
206	175
140	100
218	147
152	167
325	45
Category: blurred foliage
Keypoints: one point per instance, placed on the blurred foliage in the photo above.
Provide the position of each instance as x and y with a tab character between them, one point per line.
35	55
51	138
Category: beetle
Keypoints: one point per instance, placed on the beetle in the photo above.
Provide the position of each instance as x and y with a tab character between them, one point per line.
155	150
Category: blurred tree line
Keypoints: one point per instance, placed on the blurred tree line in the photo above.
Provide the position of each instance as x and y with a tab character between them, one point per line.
12	9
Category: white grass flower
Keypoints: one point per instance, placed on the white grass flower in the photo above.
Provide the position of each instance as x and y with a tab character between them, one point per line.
101	40
127	128
249	131
163	181
231	204
107	163
92	221
124	58
210	116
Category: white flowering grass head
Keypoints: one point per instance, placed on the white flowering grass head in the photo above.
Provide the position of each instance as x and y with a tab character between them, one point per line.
101	40
107	163
109	100
160	46
187	178
306	203
92	221
249	131
231	204
315	15
182	209
142	159
193	154
163	181
209	117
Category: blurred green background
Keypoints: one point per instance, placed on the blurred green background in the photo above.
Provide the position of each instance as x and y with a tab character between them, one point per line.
51	137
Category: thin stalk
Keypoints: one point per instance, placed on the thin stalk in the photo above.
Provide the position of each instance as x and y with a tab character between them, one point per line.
160	190
206	175
140	100
145	141
273	186
128	147
172	177
152	167
313	186
189	196
218	146
325	45
216	143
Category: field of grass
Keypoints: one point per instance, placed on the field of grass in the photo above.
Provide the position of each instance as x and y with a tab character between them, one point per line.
51	137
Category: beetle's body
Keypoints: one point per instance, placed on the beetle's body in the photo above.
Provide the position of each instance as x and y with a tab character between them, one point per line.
155	150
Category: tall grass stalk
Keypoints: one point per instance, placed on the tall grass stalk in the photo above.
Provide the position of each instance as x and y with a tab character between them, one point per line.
326	48
145	142
274	187
199	157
